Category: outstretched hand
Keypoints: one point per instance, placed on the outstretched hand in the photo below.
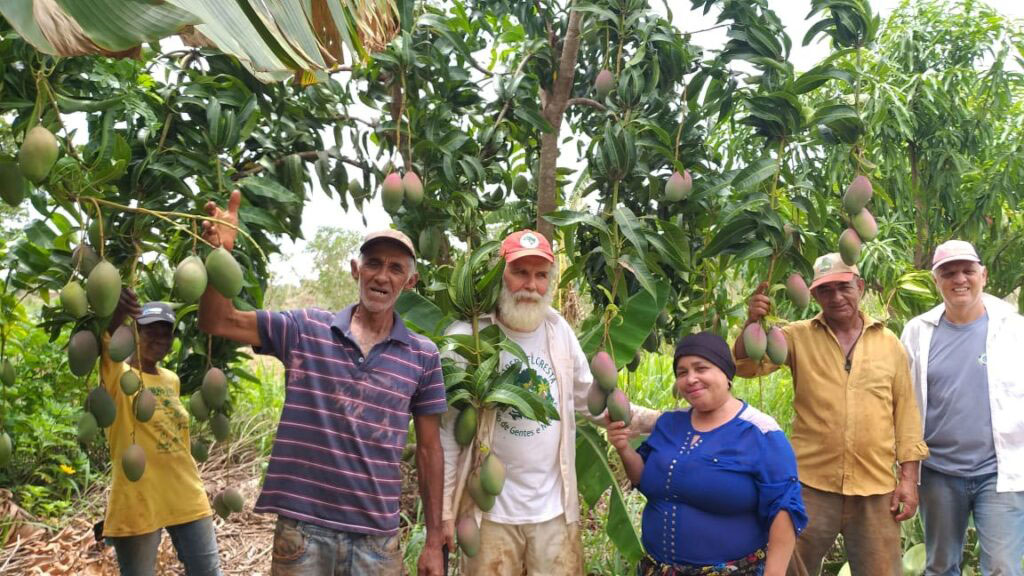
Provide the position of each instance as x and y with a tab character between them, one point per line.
220	234
618	435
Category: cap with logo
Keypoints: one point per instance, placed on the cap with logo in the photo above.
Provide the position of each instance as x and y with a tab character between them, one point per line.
526	243
831	268
388	235
953	250
156	312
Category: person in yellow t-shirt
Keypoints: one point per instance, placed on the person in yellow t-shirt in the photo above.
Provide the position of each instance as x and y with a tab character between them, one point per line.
169	495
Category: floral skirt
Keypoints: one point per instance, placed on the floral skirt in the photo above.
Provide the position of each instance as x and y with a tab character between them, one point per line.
750	565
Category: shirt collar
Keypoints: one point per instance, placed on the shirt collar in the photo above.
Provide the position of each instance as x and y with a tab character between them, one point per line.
995	307
343	323
869	322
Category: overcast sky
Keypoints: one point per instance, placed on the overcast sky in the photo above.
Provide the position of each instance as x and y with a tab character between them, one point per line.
323	211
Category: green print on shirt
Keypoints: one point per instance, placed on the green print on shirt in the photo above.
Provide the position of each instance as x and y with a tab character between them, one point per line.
168	423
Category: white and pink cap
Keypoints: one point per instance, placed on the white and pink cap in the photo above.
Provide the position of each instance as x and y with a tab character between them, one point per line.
953	250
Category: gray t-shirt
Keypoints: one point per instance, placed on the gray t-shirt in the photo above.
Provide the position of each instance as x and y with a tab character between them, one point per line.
958	425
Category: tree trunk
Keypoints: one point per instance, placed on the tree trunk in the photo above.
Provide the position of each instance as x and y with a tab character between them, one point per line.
921	249
554	105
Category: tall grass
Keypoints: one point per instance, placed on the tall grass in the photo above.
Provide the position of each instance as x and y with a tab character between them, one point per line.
652	384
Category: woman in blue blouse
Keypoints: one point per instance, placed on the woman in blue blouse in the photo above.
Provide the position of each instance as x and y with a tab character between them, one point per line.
720	478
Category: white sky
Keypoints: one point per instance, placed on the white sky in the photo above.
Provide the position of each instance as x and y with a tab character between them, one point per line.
323	211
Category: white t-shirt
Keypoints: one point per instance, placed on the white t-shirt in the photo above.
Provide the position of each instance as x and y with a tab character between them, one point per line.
529	449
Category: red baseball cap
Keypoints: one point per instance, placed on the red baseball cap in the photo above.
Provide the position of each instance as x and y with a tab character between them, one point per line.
526	243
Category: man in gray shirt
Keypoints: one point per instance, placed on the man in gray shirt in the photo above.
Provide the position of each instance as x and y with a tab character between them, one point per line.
963	360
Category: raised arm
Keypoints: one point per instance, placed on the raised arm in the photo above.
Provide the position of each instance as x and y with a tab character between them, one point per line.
217	314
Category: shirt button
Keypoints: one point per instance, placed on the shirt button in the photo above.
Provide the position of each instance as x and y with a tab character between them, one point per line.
360	360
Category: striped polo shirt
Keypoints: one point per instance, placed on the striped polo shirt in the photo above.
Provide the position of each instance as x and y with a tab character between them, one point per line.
335	461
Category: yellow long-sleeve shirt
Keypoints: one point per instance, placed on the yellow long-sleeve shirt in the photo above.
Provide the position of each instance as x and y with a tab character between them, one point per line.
850	427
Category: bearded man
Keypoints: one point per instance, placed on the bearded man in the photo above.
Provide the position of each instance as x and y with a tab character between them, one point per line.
533	527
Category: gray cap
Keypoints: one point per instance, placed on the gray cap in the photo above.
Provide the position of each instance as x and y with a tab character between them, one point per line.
156	312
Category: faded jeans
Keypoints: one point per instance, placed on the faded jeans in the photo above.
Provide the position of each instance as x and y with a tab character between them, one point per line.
946	503
303	549
195	542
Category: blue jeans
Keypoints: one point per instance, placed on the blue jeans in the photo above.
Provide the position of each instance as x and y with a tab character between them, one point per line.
946	503
303	549
195	543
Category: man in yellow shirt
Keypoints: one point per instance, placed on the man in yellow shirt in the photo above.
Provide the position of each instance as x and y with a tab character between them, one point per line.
169	495
855	419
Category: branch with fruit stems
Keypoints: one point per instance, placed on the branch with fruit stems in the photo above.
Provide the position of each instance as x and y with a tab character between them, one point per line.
165	215
307	155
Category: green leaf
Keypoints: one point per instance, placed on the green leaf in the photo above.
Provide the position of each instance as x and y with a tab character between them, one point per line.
638	268
528	403
569	217
422	314
119	25
268	188
631	327
593	478
630	225
19	14
227	25
754	173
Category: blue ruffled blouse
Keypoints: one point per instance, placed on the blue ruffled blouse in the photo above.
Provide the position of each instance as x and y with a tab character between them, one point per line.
712	496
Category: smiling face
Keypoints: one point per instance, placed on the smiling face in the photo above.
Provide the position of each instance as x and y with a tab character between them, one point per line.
701	383
961	283
383	272
840	301
525	293
155	341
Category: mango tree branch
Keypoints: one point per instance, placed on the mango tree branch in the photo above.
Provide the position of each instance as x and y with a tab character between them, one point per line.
308	155
553	111
166	216
585	102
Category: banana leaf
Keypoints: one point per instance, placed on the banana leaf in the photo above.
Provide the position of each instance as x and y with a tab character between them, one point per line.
593	478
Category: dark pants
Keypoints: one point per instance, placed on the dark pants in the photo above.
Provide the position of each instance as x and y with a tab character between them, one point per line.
870	534
195	542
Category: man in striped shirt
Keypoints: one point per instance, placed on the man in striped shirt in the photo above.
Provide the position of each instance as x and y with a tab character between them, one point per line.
352	380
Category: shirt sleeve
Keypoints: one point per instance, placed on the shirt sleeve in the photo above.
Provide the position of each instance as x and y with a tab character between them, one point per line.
279	333
582	378
777	484
429	397
910	446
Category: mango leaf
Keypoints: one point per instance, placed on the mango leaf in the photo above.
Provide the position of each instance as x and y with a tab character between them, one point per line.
593	478
754	173
569	217
630	328
422	315
527	402
638	268
727	237
630	225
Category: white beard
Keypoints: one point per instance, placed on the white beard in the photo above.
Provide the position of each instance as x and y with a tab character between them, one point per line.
523	311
